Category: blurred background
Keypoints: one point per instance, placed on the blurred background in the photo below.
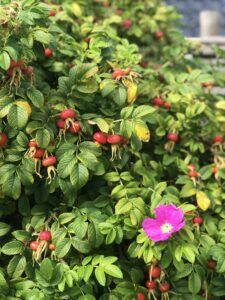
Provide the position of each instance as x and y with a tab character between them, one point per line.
191	9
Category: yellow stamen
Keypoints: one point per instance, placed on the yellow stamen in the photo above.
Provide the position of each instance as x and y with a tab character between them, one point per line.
166	228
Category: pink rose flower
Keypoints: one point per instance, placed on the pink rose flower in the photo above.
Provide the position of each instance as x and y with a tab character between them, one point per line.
169	219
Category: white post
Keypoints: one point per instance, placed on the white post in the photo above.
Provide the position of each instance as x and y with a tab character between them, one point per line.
209	23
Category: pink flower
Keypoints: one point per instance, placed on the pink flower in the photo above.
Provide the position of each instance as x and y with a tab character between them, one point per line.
169	219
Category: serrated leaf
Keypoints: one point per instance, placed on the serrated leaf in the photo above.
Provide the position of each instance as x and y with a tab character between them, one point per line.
79	176
36	97
62	247
12	248
46	268
113	271
66	165
43	138
17	117
16	266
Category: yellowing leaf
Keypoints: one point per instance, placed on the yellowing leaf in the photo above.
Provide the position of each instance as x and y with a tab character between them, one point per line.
25	105
131	90
114	65
202	200
142	132
189	69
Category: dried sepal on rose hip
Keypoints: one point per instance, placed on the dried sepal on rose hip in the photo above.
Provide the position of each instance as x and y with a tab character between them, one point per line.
114	140
68	115
49	163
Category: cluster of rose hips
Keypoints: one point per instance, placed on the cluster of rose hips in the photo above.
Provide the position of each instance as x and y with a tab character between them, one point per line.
158	102
42	244
113	139
153	283
38	155
19	65
67	122
44	238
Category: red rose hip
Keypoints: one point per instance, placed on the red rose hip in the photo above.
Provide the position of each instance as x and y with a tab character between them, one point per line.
39	153
159	35
67	114
113	139
45	235
52	13
193	173
34	245
60	124
118	74
141	296
3	139
211	264
155	272
158	102
127	24
164	287
167	105
150	284
218	139
48	52
173	137
49	161
100	137
75	128
197	220
51	247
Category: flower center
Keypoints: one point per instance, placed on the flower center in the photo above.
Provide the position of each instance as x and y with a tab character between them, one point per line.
166	228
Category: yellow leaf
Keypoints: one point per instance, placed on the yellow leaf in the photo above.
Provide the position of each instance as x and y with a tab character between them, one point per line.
142	132
202	200
25	105
113	65
131	90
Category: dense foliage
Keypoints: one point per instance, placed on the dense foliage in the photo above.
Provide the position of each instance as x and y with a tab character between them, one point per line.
105	114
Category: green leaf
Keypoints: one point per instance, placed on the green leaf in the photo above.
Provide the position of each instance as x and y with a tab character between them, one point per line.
16	266
12	248
143	110
46	268
66	165
5	104
102	124
4	60
113	271
12	186
82	246
41	36
79	176
62	247
4	228
194	283
21	235
43	138
36	97
17	116
100	275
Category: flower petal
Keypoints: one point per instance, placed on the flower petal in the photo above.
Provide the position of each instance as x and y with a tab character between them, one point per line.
150	227
178	227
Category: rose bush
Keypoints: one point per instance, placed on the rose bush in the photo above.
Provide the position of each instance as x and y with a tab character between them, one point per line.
105	121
